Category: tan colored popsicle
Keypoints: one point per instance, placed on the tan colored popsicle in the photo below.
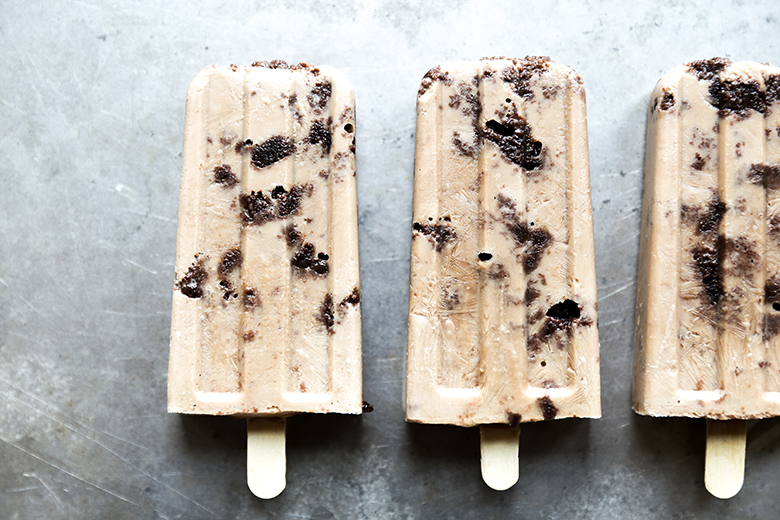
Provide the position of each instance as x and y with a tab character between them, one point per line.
266	305
502	310
708	304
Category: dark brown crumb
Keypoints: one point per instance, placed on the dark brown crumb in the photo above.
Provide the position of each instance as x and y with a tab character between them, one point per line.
549	410
531	294
320	134
771	326
271	151
766	175
698	163
326	314
306	261
258	208
367	408
292	236
249	336
191	284
224	175
709	270
251	299
319	96
513	419
230	260
667	102
352	299
439	234
772	290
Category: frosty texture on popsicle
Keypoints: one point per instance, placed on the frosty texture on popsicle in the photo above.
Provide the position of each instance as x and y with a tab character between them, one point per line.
502	311
266	304
708	306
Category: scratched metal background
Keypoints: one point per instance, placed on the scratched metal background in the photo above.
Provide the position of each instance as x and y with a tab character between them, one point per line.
91	118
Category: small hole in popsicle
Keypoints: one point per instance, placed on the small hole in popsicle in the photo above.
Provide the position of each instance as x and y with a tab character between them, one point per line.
543	363
565	310
349	128
499	128
508	100
484	257
776	306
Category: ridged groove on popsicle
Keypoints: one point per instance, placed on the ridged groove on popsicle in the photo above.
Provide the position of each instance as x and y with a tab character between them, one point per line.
495	267
712	142
270	235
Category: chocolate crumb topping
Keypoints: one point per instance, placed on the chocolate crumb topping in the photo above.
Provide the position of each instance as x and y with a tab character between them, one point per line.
513	419
548	408
305	261
281	64
271	151
224	175
772	85
191	284
433	75
367	408
524	70
249	336
439	234
708	69
738	98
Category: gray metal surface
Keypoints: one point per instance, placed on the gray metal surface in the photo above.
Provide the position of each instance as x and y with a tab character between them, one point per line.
91	121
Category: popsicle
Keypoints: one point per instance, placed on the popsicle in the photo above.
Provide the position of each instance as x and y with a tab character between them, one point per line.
708	303
502	304
266	302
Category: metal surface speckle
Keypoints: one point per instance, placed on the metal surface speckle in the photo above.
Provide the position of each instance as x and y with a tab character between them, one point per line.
91	123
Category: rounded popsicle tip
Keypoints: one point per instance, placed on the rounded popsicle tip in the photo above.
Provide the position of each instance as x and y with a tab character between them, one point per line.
500	458
266	458
724	464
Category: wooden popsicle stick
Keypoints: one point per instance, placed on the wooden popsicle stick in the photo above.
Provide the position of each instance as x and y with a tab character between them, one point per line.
724	463
266	457
500	455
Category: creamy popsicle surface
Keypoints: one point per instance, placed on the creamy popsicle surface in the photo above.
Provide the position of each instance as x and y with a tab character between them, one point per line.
708	306
266	303
502	311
